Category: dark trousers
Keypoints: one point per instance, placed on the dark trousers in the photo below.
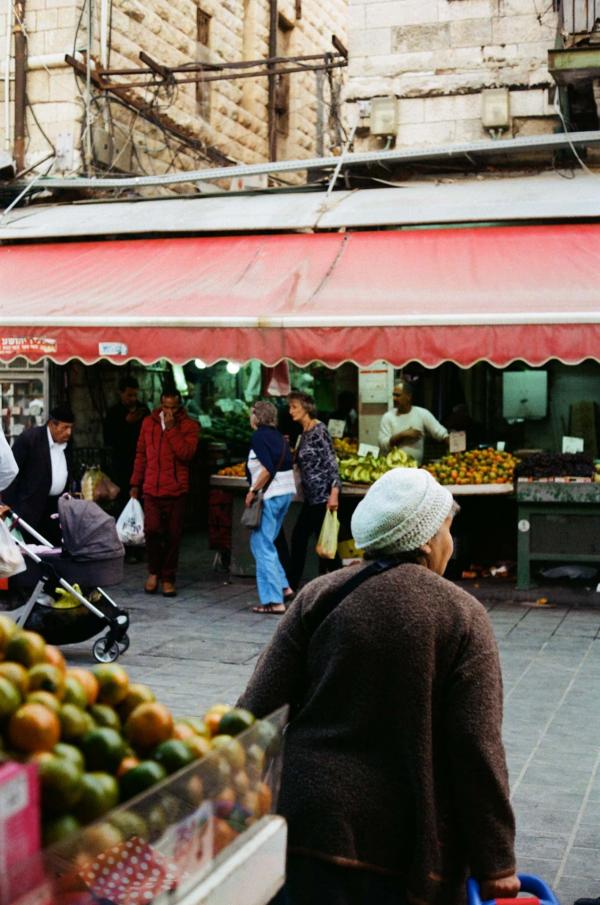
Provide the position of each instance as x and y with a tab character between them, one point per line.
163	527
310	520
49	527
311	881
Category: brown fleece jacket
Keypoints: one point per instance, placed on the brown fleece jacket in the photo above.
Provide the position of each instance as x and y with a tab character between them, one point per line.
393	756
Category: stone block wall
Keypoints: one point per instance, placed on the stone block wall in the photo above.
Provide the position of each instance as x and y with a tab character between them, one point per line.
233	121
437	56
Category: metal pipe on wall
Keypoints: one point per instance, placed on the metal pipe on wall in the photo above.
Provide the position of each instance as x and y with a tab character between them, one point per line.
272	114
87	143
104	29
20	85
7	61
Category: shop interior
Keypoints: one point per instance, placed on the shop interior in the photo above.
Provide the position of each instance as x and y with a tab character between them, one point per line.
518	409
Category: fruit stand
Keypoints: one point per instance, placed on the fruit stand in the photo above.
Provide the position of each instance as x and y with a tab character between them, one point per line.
106	796
242	562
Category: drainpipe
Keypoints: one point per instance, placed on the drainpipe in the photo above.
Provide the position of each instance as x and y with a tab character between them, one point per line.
104	28
271	113
20	89
9	24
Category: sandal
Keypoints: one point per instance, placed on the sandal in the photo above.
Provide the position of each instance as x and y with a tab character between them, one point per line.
269	609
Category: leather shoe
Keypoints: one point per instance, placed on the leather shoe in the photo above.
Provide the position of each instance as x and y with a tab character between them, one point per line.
151	585
168	589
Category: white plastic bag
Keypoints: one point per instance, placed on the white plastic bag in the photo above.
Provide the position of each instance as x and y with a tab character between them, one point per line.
11	558
130	524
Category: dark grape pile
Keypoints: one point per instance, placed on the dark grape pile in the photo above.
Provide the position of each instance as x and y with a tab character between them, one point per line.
555	465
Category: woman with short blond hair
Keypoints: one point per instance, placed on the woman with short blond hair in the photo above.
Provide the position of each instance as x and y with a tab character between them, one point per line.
269	471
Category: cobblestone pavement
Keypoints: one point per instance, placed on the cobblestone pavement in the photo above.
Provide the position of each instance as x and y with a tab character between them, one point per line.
201	647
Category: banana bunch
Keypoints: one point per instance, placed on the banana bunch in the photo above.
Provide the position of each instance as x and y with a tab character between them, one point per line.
343	446
368	469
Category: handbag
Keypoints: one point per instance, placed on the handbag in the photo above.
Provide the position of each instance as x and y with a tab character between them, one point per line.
252	514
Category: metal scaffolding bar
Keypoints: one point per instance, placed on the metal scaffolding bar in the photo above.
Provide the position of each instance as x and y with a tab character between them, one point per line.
485	147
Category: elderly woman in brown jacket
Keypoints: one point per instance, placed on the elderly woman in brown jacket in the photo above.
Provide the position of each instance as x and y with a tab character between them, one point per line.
394	781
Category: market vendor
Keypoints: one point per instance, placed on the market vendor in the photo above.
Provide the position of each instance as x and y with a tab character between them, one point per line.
406	425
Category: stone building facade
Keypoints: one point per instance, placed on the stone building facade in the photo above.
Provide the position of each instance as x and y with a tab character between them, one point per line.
223	119
449	64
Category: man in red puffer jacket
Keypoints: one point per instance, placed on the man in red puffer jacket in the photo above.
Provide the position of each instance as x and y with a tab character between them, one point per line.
161	471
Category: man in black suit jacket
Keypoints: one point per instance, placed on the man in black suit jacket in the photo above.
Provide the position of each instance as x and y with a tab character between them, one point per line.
44	458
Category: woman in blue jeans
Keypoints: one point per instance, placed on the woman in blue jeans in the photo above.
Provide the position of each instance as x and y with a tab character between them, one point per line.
269	469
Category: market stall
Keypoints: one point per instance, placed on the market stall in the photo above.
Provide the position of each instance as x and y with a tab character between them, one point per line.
361	288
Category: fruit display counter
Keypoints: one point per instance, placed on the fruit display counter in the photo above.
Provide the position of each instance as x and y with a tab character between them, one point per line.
242	562
237	484
115	799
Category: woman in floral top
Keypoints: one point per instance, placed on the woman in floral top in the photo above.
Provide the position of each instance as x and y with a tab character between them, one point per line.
320	479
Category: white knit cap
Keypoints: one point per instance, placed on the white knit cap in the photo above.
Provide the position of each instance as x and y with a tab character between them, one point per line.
400	512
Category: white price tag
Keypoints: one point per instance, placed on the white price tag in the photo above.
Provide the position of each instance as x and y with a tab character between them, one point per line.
336	428
365	448
572	444
205	420
457	441
14	796
501	445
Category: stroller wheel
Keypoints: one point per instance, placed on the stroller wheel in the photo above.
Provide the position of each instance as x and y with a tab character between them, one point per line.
105	651
123	644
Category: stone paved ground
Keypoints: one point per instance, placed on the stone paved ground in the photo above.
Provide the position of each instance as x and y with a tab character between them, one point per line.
200	649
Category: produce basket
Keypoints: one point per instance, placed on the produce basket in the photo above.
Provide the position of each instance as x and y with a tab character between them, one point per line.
201	829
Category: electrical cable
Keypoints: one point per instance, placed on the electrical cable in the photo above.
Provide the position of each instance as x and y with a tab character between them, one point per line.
31	108
581	163
541	15
25	191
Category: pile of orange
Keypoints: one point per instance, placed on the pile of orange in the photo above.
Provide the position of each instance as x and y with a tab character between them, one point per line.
477	466
233	471
99	740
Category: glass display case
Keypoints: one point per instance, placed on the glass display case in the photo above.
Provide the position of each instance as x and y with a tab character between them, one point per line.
24	397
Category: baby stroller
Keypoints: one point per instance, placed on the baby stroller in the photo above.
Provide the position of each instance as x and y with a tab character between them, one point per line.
91	554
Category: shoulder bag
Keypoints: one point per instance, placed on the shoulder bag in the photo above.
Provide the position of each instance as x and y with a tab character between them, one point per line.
318	614
252	514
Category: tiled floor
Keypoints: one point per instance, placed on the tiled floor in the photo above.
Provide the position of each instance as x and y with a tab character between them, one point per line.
551	667
201	647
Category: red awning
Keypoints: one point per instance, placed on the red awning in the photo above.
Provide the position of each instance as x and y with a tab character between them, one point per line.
462	295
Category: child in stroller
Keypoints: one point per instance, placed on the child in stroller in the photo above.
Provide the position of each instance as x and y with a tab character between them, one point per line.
91	554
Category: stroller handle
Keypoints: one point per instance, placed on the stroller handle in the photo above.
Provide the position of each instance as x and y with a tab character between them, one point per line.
539	893
18	522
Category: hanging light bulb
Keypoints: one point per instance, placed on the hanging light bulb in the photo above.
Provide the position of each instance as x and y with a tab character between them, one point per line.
232	367
199	364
